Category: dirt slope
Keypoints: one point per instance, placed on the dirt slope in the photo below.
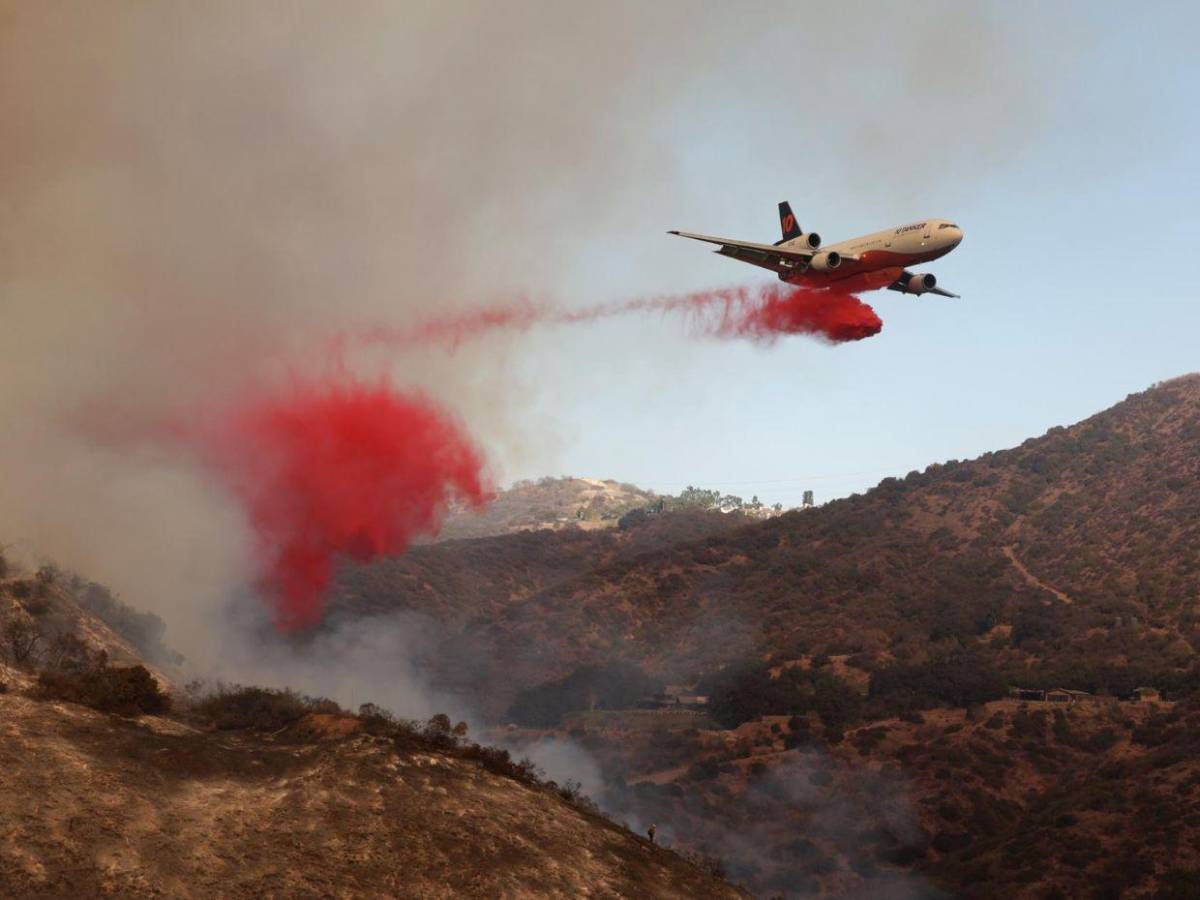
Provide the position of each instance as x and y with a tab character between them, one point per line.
93	805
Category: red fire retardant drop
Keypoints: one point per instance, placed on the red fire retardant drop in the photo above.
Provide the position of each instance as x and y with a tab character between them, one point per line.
761	313
343	469
789	310
356	470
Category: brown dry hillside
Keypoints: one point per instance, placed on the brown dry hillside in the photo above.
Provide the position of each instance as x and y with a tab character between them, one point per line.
96	805
245	792
548	503
1079	549
857	741
462	580
61	616
1026	800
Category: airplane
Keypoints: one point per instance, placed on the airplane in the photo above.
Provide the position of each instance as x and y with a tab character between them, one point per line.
867	263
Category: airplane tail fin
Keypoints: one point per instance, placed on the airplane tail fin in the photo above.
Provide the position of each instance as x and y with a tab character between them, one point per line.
787	222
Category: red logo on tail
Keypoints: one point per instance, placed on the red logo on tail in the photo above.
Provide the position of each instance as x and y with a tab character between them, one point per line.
789	222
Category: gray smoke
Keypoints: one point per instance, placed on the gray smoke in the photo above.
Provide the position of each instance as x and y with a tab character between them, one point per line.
386	660
196	195
808	826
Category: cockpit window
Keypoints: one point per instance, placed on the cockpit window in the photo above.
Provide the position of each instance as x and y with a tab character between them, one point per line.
947	225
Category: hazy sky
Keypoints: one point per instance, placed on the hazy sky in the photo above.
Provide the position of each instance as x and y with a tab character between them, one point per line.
197	196
1064	145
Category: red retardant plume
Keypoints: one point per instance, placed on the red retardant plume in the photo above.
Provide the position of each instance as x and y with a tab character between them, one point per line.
761	313
327	470
344	469
788	310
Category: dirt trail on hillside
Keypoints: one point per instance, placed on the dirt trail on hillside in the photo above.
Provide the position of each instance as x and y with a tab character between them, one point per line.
1032	579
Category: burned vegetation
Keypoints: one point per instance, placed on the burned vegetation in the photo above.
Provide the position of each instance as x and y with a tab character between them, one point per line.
231	790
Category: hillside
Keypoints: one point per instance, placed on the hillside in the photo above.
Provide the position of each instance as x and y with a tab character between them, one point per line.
858	737
1029	800
240	792
474	579
549	503
589	504
857	657
1079	549
95	805
52	615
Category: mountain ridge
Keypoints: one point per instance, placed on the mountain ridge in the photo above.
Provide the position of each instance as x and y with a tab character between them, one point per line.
956	552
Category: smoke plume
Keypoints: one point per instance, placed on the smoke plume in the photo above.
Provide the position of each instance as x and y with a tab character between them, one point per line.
198	194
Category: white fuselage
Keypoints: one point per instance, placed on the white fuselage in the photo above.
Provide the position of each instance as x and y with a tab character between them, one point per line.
876	260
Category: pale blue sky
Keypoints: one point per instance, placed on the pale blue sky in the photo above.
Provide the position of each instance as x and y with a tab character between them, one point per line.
1063	142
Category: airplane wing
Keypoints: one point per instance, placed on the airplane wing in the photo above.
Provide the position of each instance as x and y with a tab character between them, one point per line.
767	256
901	285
